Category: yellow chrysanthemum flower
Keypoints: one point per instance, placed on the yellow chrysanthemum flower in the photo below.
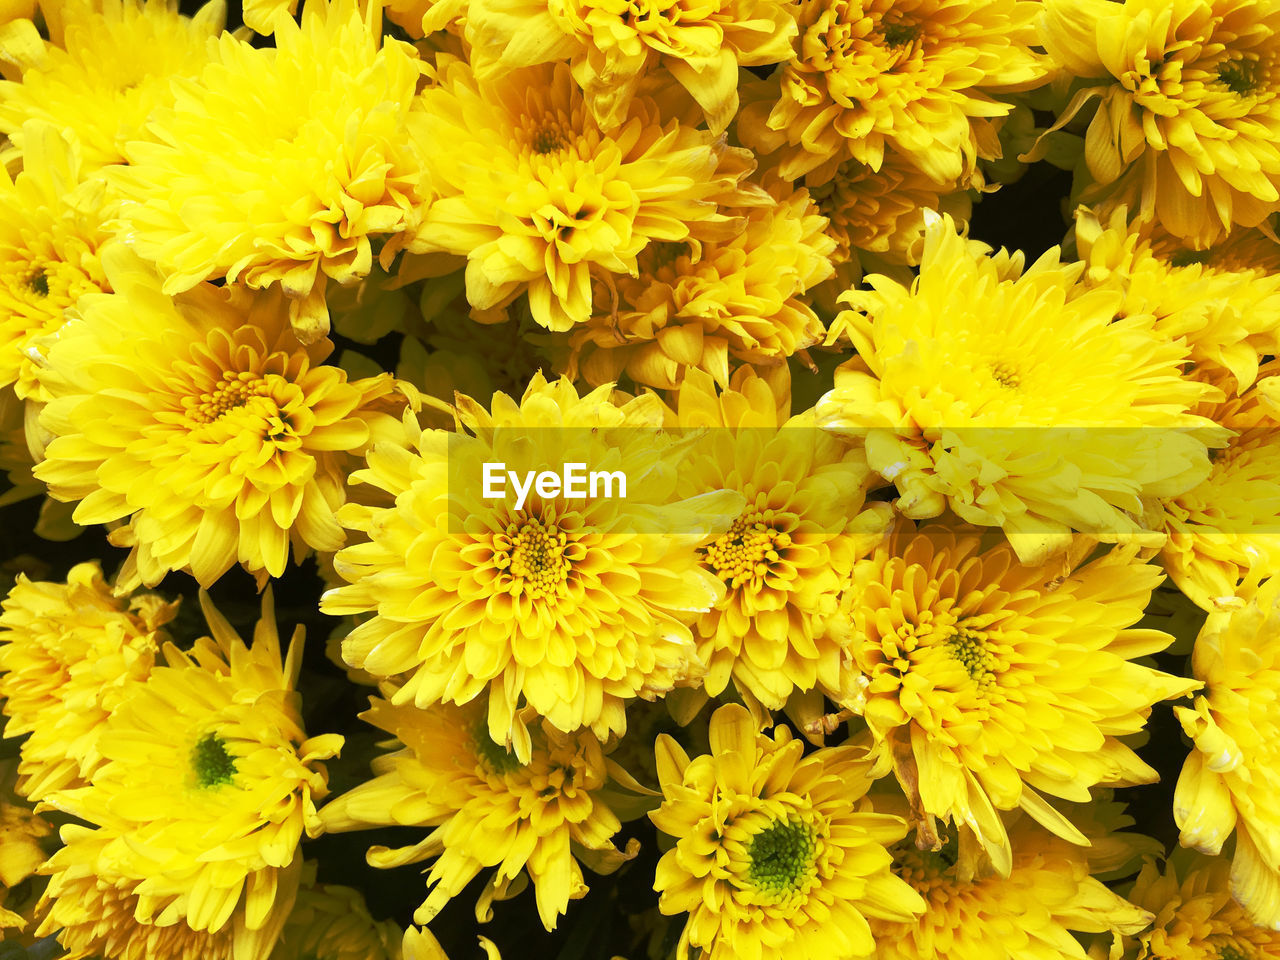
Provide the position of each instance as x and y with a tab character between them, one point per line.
878	219
202	422
1187	128
331	922
788	555
70	654
1195	916
1224	531
704	305
282	166
1224	301
452	349
1232	778
1050	892
94	908
985	683
917	76
48	249
21	853
488	809
612	44
198	812
777	854
571	606
1015	398
558	200
883	211
106	69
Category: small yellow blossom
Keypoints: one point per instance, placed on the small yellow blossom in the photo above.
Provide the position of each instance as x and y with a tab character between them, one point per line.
70	654
281	167
487	809
1187	126
1232	776
777	854
204	424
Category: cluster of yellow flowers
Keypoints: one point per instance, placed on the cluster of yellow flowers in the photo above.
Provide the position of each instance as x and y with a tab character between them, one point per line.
895	548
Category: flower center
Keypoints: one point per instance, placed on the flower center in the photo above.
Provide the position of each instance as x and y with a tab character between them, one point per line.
782	856
1005	375
546	131
532	551
745	551
214	767
231	393
969	648
1185	258
38	283
547	139
43	283
1229	952
1240	76
900	34
926	870
495	757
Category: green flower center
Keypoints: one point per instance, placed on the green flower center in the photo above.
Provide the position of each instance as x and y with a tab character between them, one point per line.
969	648
38	283
1240	76
493	755
1005	375
782	856
1228	952
900	34
1185	258
213	765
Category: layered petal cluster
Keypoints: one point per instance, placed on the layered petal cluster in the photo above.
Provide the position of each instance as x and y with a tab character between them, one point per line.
777	854
532	821
611	45
1223	300
332	922
570	606
920	76
558	200
1187	123
1050	893
1015	398
707	306
1195	915
1232	777
787	556
988	683
281	167
94	910
70	654
1224	531
101	69
49	244
196	816
203	425
882	210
